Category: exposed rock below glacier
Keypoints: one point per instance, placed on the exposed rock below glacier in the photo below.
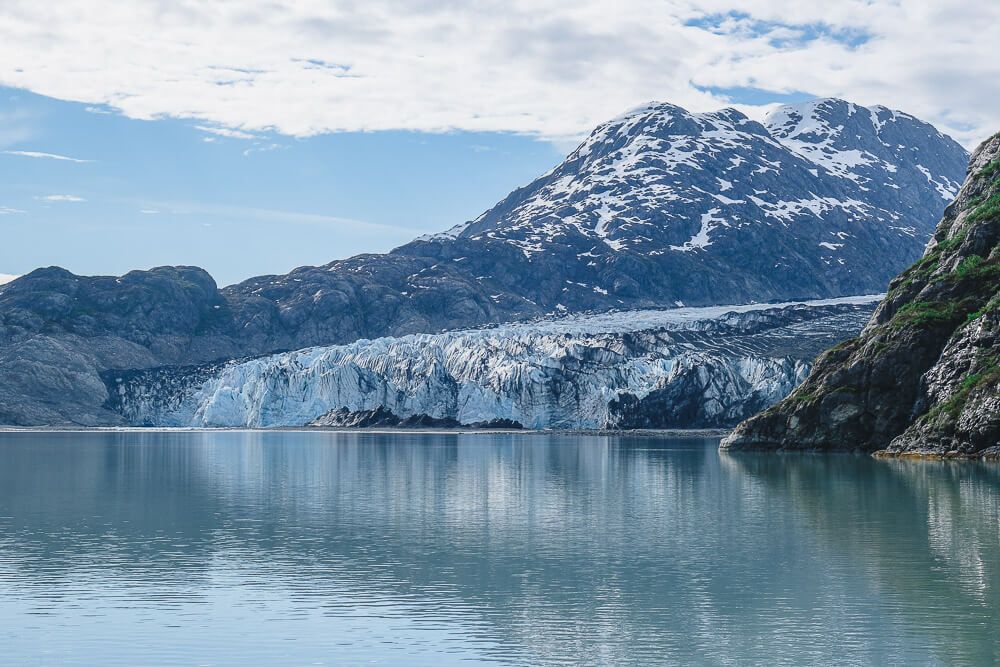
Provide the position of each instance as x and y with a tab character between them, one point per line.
683	368
381	417
923	378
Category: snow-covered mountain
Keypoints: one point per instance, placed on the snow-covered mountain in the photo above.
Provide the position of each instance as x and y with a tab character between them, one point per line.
660	180
674	368
656	207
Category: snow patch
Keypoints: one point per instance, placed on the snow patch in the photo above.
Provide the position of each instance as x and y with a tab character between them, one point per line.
947	189
709	221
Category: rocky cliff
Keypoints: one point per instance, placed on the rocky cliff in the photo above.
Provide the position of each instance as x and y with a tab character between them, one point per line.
923	378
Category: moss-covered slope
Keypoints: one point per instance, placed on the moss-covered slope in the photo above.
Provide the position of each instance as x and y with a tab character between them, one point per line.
923	378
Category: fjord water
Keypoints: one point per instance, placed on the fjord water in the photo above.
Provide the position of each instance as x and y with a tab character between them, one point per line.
234	548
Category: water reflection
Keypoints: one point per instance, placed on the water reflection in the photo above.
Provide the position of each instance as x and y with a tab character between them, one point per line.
416	549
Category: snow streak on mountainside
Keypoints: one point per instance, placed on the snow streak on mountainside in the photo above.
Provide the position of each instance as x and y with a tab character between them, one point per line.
680	368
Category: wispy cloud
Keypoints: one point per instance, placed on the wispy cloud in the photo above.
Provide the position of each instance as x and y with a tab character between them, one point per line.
6	210
46	156
552	68
7	277
228	212
263	148
227	132
66	198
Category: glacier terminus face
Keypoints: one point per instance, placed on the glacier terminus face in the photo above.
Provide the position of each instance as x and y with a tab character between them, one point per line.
680	368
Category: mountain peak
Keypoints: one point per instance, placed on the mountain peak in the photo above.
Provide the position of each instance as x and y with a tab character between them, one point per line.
827	183
658	207
649	121
818	117
653	107
868	145
658	126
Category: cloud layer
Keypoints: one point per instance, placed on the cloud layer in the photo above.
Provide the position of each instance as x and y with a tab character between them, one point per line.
545	67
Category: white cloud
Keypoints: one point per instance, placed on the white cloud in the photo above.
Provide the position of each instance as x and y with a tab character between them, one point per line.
47	156
240	213
225	132
262	148
6	278
554	68
66	198
6	210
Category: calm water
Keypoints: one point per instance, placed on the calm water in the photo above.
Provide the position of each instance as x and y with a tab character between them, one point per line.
317	548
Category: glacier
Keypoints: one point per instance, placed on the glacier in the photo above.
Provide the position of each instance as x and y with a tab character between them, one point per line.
676	368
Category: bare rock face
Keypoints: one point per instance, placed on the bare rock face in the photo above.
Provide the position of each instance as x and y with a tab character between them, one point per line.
962	394
381	417
923	378
59	331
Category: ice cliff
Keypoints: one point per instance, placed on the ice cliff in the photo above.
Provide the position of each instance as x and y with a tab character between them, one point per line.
685	367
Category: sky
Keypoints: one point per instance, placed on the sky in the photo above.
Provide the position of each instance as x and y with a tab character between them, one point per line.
253	136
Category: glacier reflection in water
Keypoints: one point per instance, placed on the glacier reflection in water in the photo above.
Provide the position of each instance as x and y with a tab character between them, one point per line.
231	548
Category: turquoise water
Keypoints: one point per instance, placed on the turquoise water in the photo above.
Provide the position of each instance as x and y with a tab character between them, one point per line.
300	548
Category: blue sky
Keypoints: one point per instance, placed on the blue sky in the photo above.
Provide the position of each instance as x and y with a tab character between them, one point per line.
259	135
148	193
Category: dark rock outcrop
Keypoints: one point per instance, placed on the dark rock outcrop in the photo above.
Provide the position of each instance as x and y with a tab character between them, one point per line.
59	332
385	418
379	417
923	378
